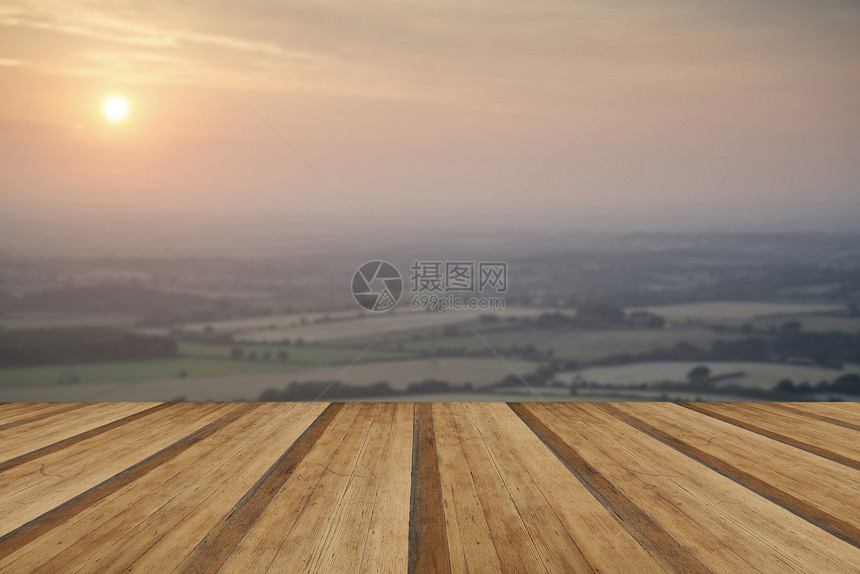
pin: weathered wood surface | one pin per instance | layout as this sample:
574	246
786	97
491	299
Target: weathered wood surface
441	487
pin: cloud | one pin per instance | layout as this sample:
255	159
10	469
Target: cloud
503	54
102	27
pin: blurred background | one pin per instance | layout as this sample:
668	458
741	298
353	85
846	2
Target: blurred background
188	189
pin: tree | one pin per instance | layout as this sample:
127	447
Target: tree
283	355
600	314
784	386
790	328
699	374
236	353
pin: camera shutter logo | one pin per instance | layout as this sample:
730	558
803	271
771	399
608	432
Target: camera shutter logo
377	286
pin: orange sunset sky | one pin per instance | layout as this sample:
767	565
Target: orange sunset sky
697	115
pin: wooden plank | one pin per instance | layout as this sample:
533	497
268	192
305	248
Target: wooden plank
63	465
26	533
830	441
564	519
558	549
844	412
220	542
726	526
659	544
30	489
305	541
113	534
819	491
837	438
35	435
428	540
87	435
41	424
344	541
87	535
803	410
602	539
470	542
231	487
515	547
387	544
642	487
13	411
39	412
258	547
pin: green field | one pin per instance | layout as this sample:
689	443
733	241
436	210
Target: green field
756	375
304	305
58	320
272	322
356	329
302	355
197	361
224	386
812	323
135	371
732	312
572	346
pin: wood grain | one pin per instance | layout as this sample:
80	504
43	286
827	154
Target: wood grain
50	411
65	443
650	535
755	476
727	526
837	444
211	552
442	487
428	540
51	519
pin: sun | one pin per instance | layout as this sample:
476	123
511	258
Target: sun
115	108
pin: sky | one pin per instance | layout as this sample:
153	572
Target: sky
467	117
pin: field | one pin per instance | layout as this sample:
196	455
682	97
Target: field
128	371
303	305
575	345
56	320
273	322
758	375
371	325
303	355
400	373
196	361
813	323
249	386
728	312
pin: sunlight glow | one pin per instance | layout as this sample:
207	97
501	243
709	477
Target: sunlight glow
115	108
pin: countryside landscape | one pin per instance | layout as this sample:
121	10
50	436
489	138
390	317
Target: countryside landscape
647	316
558	286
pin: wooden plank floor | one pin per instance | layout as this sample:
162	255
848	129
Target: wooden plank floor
429	487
